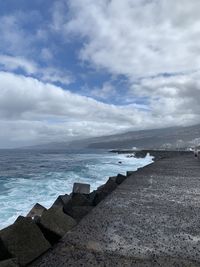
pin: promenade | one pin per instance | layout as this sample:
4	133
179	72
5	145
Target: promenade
151	219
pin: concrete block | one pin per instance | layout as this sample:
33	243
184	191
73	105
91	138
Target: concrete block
4	254
37	210
55	221
61	200
24	240
9	263
81	188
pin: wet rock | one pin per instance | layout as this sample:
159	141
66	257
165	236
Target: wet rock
9	263
24	240
81	188
4	254
55	223
61	201
37	210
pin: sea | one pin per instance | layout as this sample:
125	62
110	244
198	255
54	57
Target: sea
31	176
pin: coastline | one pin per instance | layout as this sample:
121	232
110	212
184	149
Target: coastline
66	210
29	177
81	219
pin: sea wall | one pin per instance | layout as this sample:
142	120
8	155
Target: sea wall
31	236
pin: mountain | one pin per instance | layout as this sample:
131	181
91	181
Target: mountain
168	138
173	137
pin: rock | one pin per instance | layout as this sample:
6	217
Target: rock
55	223
78	212
61	201
9	263
4	254
104	190
24	240
37	210
81	188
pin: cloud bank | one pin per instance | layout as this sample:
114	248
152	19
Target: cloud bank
153	45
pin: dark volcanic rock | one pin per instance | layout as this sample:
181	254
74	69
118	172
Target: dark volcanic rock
37	210
55	223
81	188
4	254
24	240
9	263
61	200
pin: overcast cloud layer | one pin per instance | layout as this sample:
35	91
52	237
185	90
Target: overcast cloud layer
131	64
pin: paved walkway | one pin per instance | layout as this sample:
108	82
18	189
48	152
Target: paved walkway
152	219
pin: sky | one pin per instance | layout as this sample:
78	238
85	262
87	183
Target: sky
72	69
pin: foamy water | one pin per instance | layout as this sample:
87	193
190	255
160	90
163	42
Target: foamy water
27	177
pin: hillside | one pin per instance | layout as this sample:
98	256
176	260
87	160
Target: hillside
174	137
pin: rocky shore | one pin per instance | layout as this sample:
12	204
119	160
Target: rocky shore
157	154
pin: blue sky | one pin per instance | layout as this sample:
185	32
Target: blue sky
75	69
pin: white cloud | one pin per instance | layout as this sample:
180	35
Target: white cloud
14	63
138	38
32	111
21	48
106	91
41	111
155	44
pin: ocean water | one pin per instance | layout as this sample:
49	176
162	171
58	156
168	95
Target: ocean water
27	177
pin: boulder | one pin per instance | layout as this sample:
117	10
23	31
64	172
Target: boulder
4	254
9	263
55	223
81	188
37	210
104	190
24	240
61	200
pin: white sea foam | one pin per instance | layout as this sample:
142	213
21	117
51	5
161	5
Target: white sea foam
22	193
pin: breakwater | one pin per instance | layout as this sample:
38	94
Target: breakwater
148	218
31	236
